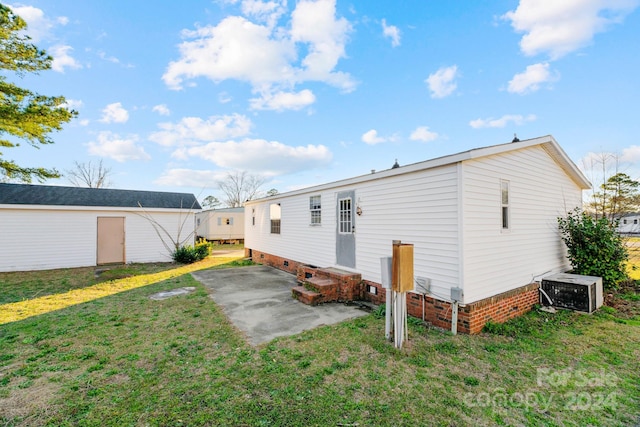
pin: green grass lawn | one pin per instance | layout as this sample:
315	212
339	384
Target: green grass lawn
125	360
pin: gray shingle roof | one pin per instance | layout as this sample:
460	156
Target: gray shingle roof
27	194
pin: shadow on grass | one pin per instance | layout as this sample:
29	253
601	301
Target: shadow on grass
16	311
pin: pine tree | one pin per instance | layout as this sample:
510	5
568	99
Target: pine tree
25	115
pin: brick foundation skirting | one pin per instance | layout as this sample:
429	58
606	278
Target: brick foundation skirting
471	317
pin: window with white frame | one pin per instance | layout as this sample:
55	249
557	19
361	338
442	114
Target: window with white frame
315	209
274	211
504	191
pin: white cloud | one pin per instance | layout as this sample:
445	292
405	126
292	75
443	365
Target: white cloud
191	178
84	122
62	58
503	121
121	149
213	52
269	158
161	109
531	79
422	133
314	23
114	113
371	137
265	11
224	97
392	32
442	82
103	55
283	101
38	25
73	104
194	131
269	59
631	154
561	27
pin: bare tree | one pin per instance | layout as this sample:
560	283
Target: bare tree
171	243
89	175
239	187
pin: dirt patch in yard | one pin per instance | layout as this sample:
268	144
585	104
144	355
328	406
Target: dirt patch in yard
626	300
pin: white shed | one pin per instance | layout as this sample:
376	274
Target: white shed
484	221
221	225
46	227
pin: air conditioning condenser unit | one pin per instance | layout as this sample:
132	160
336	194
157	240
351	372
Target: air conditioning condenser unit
572	291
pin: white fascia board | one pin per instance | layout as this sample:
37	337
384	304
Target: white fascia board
95	208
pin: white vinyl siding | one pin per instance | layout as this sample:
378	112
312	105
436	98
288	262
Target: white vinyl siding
62	237
539	192
418	208
298	241
451	210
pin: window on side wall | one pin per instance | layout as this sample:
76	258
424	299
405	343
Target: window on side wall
315	209
504	195
274	211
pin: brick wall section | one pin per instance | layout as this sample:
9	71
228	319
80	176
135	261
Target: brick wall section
380	297
471	317
280	263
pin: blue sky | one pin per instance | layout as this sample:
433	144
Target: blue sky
174	95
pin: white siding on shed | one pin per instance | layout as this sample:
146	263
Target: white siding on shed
496	260
45	237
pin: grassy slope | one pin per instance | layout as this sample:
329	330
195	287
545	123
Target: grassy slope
127	360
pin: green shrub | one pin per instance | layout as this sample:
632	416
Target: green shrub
595	248
188	254
203	249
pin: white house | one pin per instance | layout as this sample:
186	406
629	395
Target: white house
46	227
483	221
223	225
629	224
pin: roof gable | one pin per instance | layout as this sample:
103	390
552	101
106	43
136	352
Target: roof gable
27	194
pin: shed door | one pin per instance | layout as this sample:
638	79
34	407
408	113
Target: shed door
110	240
346	228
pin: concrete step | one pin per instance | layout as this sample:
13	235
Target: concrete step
306	296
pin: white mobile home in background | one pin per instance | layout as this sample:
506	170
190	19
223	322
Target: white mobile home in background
629	224
221	225
483	221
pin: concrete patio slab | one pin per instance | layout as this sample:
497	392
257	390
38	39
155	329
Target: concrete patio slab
257	299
